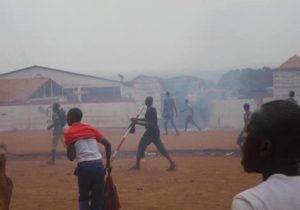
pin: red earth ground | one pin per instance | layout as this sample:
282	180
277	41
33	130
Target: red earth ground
208	172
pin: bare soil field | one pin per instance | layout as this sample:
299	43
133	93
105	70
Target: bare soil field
208	172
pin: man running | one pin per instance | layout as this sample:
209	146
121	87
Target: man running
189	116
151	135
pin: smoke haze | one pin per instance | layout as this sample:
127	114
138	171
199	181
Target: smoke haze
158	37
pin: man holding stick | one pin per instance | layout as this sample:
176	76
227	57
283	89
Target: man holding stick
151	135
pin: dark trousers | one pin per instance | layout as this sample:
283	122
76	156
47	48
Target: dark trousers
190	119
91	188
145	141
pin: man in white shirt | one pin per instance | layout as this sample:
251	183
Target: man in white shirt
272	148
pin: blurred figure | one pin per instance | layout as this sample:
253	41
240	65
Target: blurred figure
291	97
247	115
272	149
82	144
58	124
151	135
6	185
189	116
169	108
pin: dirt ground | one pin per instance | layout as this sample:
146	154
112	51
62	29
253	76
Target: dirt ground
208	174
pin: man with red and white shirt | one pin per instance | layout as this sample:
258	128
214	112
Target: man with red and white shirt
82	144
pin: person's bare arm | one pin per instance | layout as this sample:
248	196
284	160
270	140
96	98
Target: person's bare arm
107	147
71	152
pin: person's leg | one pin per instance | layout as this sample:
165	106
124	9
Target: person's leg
174	126
55	140
194	123
161	148
186	123
84	190
97	191
144	142
166	125
61	139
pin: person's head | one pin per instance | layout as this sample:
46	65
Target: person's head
186	101
168	94
292	94
273	137
149	101
55	107
246	107
74	115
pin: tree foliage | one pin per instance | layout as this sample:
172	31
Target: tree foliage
247	83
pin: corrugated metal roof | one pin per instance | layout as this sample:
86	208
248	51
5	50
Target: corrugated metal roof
58	70
291	63
12	90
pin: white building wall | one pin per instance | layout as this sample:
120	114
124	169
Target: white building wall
38	117
284	82
228	114
144	87
65	79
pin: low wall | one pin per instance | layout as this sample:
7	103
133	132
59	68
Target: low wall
38	117
228	114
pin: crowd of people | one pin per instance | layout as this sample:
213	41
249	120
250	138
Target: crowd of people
269	143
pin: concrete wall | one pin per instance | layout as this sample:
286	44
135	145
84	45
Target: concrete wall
228	114
144	87
284	82
38	117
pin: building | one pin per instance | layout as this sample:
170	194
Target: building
29	90
286	78
26	97
144	86
76	87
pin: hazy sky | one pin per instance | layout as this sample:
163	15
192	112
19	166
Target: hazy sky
153	37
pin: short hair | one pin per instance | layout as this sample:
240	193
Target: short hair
75	114
149	99
291	93
168	93
279	122
246	106
55	106
186	100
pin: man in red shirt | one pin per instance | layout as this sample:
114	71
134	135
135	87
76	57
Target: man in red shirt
81	140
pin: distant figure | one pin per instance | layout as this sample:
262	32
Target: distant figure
272	149
58	123
82	144
189	116
291	97
168	113
6	185
151	135
247	115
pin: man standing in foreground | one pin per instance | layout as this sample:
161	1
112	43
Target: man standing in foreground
151	135
272	148
81	140
169	108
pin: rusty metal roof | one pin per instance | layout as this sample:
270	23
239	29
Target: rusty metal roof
291	63
14	90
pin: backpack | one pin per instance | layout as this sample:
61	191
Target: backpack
62	117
